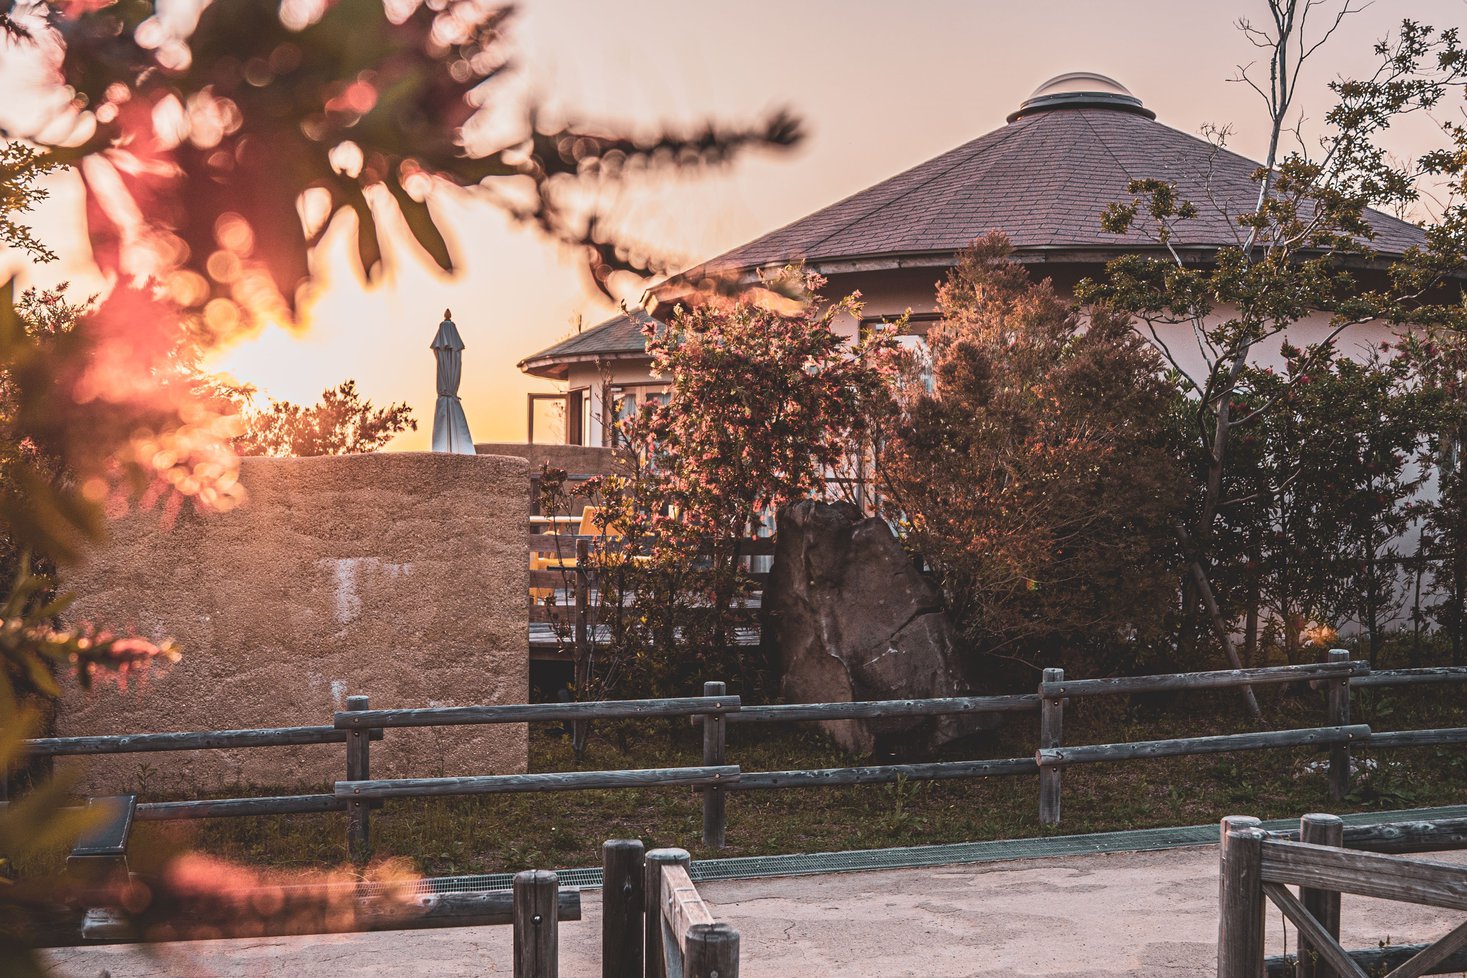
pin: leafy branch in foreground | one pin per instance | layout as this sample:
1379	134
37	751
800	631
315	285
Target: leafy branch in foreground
207	141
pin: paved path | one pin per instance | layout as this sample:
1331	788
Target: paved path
1149	914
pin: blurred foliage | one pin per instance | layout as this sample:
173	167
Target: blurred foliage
341	423
208	142
217	144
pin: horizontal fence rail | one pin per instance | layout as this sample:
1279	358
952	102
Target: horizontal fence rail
1397	837
494	784
869	709
163	811
1220	679
1412	677
443	716
1189	746
199	740
1366	874
883	774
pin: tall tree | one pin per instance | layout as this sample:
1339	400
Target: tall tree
1304	246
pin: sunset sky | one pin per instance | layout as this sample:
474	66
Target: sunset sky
880	86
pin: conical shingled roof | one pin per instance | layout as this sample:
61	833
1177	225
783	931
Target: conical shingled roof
1044	180
1067	153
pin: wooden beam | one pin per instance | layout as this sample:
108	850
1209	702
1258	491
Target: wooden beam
1413	677
559	781
1204	680
189	740
682	907
165	811
871	709
443	716
1187	746
1429	883
882	774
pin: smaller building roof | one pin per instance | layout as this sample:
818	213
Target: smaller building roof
617	338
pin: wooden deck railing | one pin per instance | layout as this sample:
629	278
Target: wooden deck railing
568	610
358	793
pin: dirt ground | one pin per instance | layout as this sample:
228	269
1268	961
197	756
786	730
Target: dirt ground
1148	915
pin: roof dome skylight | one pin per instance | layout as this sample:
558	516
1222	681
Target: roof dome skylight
1081	90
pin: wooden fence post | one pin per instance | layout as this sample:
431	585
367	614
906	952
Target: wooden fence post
1240	899
622	906
358	768
715	799
1320	830
713	952
536	924
1337	701
1051	734
656	964
581	654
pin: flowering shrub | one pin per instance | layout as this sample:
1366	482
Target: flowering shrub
765	397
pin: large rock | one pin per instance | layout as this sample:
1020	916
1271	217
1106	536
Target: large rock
852	619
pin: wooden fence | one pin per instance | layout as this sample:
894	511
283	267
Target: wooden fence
1325	859
359	726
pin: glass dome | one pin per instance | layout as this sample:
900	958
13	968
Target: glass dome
1081	90
1080	81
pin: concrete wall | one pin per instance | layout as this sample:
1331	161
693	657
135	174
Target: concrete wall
401	576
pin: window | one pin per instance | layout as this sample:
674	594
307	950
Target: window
912	338
628	399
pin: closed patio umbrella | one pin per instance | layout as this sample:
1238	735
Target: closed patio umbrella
450	427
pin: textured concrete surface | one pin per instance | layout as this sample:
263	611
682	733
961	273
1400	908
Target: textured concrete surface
401	576
1145	915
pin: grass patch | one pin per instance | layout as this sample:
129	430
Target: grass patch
511	832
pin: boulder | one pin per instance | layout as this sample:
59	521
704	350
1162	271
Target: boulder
851	618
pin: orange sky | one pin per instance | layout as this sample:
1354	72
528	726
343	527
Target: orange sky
880	85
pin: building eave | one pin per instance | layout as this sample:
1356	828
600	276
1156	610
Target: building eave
558	367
